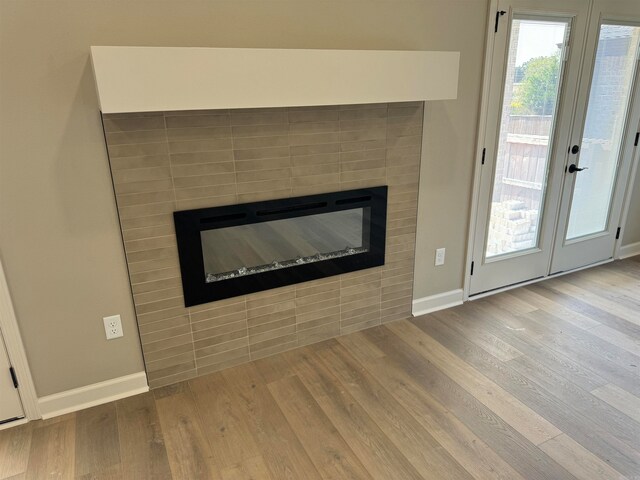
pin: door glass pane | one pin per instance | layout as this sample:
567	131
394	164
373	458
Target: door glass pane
532	86
609	99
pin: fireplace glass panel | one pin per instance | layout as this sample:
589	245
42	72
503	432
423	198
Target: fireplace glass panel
273	245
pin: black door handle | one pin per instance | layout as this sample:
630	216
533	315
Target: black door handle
575	149
573	168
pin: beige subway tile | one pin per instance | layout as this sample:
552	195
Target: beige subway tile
270	317
316	314
347	329
273	335
204	180
408	238
315	189
266	118
223	358
374	165
314	139
165	184
262	164
209	169
220	120
141	174
322	127
354	287
406	121
403	180
224	365
152	276
406	302
272	342
137	137
195	158
270	308
194	146
223	347
408	132
170	361
172	379
272	326
145	198
333	318
305	289
258	175
359	114
318	334
149	244
244	143
154	285
209	325
165	334
363	106
267	352
148	232
159	305
363	155
374	309
316	149
166	353
150	161
404	311
213	306
227	336
360	277
152	254
362	175
315	170
400	248
315	160
398	171
363	135
302	301
414	111
331	301
137	150
133	124
197	133
363	124
270	297
160	345
162	315
396	291
217	312
167	323
372	295
363	145
143	211
372	302
206	202
263	152
396	196
312	180
168	371
398	279
189	193
266	195
410	150
264	186
373	316
217	330
259	130
157	295
298	116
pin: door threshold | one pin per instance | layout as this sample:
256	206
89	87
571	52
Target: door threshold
488	293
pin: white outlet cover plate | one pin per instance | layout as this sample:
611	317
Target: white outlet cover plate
113	327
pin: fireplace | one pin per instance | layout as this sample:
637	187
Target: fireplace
235	250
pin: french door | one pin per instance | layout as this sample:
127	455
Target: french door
558	142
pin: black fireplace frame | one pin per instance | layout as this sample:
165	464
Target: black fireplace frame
189	224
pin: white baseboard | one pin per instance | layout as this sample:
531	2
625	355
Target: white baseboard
433	303
630	250
92	395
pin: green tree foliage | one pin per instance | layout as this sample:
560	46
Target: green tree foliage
536	94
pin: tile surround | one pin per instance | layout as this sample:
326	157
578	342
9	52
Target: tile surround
162	162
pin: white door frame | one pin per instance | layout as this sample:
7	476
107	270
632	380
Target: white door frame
475	197
17	355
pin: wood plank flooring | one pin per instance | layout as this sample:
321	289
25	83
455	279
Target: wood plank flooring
542	382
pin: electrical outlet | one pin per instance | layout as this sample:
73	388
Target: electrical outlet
113	326
440	256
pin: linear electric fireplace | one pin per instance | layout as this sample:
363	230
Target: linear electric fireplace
239	249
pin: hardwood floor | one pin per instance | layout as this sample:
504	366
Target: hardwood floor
542	382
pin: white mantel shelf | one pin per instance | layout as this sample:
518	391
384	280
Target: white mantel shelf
151	79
